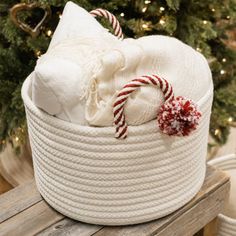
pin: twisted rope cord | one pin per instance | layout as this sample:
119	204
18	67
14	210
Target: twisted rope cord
58	176
112	19
118	106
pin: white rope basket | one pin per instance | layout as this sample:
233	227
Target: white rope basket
88	175
227	225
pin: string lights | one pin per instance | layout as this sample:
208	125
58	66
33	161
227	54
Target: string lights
217	132
224	60
230	119
49	33
144	9
38	53
145	26
2	141
222	72
147	1
162	9
162	21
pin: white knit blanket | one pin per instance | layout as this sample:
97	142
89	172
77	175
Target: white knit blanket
85	67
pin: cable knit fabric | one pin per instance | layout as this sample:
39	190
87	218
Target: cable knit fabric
85	67
81	169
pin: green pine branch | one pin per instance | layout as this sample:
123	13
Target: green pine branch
201	24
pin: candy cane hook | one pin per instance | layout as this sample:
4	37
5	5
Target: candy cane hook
112	19
177	116
118	107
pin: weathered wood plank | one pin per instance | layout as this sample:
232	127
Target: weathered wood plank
214	180
18	199
199	215
70	227
30	221
40	219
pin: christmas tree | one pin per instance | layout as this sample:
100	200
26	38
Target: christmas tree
26	31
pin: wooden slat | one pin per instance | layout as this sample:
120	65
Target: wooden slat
30	221
18	199
24	212
40	219
214	180
70	227
199	215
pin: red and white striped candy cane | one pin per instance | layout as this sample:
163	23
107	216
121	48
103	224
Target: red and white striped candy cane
118	106
112	19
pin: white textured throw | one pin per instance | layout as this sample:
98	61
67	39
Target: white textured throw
85	66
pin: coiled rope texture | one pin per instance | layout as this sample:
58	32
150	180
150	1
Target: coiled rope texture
226	225
88	175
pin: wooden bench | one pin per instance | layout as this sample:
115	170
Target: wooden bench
24	212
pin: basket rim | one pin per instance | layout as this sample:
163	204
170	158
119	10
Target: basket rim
226	162
25	90
227	219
